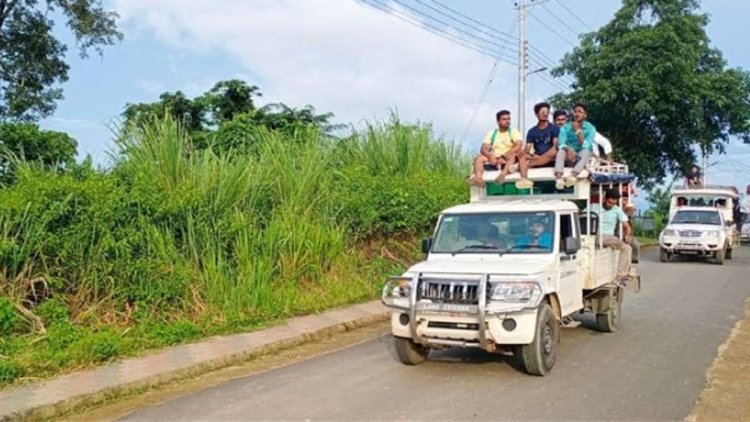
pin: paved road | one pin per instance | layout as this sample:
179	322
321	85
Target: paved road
653	368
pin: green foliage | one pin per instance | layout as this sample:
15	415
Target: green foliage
226	117
9	371
53	312
656	88
8	317
32	59
176	242
52	150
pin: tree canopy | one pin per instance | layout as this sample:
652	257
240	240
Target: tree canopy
656	87
226	114
32	59
54	150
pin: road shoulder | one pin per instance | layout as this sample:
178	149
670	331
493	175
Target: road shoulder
728	381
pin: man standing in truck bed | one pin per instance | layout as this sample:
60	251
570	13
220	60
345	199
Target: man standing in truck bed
610	216
499	149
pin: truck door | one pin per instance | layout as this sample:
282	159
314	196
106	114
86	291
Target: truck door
571	277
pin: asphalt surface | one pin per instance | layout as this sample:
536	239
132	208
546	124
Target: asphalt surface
653	368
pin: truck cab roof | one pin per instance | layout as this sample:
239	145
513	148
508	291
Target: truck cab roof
513	205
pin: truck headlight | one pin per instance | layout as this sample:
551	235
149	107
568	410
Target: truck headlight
714	234
669	233
516	292
396	293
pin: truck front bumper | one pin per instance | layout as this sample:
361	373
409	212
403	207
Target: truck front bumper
691	246
483	324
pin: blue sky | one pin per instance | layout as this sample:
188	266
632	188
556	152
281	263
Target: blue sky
341	56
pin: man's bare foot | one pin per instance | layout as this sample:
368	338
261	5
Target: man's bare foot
476	181
500	178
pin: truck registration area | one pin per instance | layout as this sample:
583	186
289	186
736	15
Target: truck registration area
504	272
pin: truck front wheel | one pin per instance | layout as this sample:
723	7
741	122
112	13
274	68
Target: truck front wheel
720	255
664	255
538	358
409	352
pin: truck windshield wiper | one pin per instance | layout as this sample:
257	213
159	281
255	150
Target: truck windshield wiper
481	247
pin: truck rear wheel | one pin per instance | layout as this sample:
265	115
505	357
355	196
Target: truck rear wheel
409	352
729	254
609	321
664	256
720	255
538	358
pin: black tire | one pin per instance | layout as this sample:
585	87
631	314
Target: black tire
720	255
539	357
409	352
609	322
729	254
664	256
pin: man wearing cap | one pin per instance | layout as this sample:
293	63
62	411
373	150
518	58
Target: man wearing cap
634	245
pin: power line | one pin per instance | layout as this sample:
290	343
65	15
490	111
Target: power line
485	91
562	22
436	31
552	30
470	19
429	16
575	16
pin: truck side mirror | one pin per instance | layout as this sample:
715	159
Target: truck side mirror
426	244
570	245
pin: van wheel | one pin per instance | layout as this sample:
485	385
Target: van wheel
720	255
664	256
409	352
609	322
538	358
729	254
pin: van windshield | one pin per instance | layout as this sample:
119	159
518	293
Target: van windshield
499	232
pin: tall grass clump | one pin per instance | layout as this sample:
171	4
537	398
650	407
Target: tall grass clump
177	240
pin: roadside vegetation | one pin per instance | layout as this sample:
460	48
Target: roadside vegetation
177	241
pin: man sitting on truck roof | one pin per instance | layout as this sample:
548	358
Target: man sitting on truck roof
693	178
499	149
603	144
610	215
543	139
576	145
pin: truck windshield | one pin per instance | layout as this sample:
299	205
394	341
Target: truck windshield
696	217
514	232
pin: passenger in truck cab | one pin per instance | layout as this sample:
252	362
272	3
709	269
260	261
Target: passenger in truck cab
540	148
576	146
499	150
538	237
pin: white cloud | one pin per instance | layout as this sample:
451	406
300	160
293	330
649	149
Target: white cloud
340	56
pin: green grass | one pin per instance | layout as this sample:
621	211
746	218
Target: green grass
174	242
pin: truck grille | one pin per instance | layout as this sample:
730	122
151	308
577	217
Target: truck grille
448	291
689	233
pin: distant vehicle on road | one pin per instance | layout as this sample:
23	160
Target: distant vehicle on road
697	231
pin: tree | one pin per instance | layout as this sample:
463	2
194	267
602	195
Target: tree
32	60
656	88
53	150
226	116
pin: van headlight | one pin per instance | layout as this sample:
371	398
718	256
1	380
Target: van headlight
713	234
669	233
516	292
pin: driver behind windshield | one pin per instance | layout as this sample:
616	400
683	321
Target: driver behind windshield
538	237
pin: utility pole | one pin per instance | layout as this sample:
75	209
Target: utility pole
705	167
521	6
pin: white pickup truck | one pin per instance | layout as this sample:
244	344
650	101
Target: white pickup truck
505	271
685	241
697	231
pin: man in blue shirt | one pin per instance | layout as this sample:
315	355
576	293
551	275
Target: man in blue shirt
538	237
610	216
541	146
576	145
